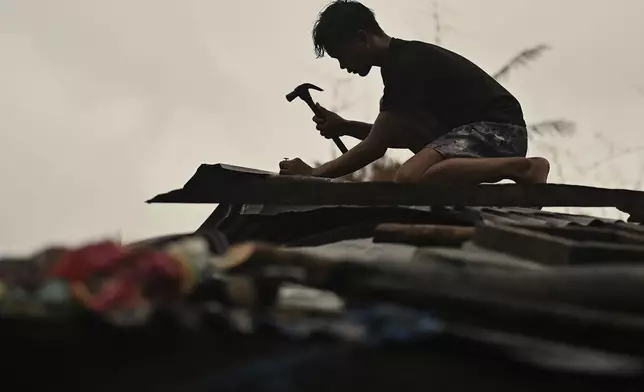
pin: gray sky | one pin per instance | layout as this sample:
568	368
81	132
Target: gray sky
105	104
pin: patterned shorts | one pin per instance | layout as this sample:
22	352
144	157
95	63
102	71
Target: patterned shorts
483	140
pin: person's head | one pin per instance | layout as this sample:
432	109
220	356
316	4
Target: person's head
348	31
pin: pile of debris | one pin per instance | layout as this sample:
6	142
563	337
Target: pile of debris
371	265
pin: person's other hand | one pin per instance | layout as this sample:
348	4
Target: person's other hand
332	125
295	167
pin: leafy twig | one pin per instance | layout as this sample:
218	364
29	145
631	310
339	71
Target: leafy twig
522	58
613	155
561	127
572	162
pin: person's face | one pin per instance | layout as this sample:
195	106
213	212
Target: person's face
354	54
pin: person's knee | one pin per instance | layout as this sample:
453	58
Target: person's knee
407	174
414	169
411	173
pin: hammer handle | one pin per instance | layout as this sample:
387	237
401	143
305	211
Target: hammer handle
319	113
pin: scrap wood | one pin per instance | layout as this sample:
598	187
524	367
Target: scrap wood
492	300
559	246
423	235
609	287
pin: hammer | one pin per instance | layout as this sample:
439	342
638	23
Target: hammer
302	91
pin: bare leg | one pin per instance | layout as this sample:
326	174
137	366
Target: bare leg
472	170
490	170
416	166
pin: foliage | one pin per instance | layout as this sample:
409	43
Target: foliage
560	127
523	58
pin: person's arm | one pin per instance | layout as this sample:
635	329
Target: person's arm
360	130
373	147
331	124
357	129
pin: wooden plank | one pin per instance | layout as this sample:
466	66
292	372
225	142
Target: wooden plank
551	249
285	191
524	243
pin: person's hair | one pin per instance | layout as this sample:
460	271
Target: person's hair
340	20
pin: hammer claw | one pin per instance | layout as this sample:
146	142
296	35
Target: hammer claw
302	91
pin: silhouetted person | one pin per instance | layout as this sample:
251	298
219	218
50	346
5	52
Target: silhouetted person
462	125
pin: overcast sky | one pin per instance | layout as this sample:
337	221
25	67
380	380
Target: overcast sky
104	104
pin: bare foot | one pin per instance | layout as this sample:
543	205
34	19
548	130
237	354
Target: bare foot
536	173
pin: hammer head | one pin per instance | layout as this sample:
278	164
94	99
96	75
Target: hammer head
302	91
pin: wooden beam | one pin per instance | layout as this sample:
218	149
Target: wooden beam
285	191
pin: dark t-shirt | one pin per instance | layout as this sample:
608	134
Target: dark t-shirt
434	84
